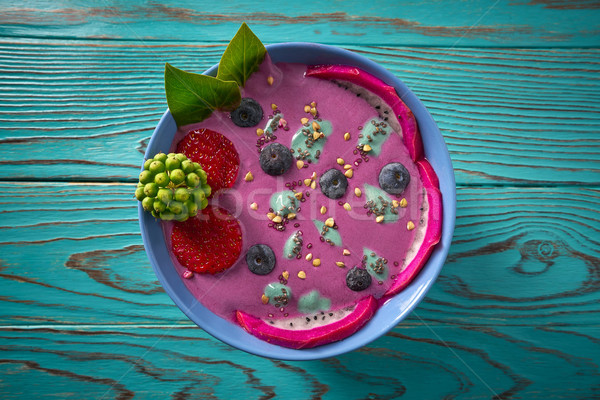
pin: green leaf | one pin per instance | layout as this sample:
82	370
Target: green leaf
193	97
242	57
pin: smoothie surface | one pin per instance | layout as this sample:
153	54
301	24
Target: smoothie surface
311	262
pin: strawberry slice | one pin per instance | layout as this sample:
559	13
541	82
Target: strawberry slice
215	153
209	243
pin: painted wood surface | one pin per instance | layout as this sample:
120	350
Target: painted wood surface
510	116
555	23
514	87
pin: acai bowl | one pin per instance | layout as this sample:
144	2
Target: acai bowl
388	307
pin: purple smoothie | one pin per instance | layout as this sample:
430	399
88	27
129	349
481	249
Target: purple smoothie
239	289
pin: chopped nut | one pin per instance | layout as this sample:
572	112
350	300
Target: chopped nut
314	175
301	274
349	173
270	80
306	108
313	104
299	164
313	185
347	136
285	275
264	299
273	106
346	252
367	148
249	177
259	132
308	257
323	210
395	203
347	166
329	222
410	225
347	207
307	181
277	219
357	192
340	161
313	111
316	126
254	206
291	216
379	218
316	135
316	262
340	264
403	203
271	216
304	121
298	195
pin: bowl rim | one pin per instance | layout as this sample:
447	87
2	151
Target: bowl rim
399	306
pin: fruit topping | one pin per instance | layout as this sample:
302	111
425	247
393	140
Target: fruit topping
313	302
328	232
393	178
278	294
310	140
248	114
260	259
293	246
215	153
406	119
170	193
431	215
209	243
358	279
275	159
333	183
313	329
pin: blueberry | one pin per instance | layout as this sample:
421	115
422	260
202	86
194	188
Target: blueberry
394	178
333	183
248	114
275	159
260	259
358	279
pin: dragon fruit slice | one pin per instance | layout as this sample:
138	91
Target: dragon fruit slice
432	211
432	216
310	330
408	123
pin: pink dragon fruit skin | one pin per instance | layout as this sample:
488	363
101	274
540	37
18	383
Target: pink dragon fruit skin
433	232
308	338
408	123
366	307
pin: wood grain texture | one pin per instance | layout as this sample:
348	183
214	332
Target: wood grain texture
513	117
411	362
473	23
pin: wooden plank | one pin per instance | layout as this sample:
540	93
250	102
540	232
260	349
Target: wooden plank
428	23
520	256
85	261
509	116
413	362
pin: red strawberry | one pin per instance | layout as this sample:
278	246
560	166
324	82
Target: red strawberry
215	153
209	243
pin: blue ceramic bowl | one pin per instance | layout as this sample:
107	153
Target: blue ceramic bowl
391	313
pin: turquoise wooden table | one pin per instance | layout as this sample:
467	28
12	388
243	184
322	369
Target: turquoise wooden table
515	89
